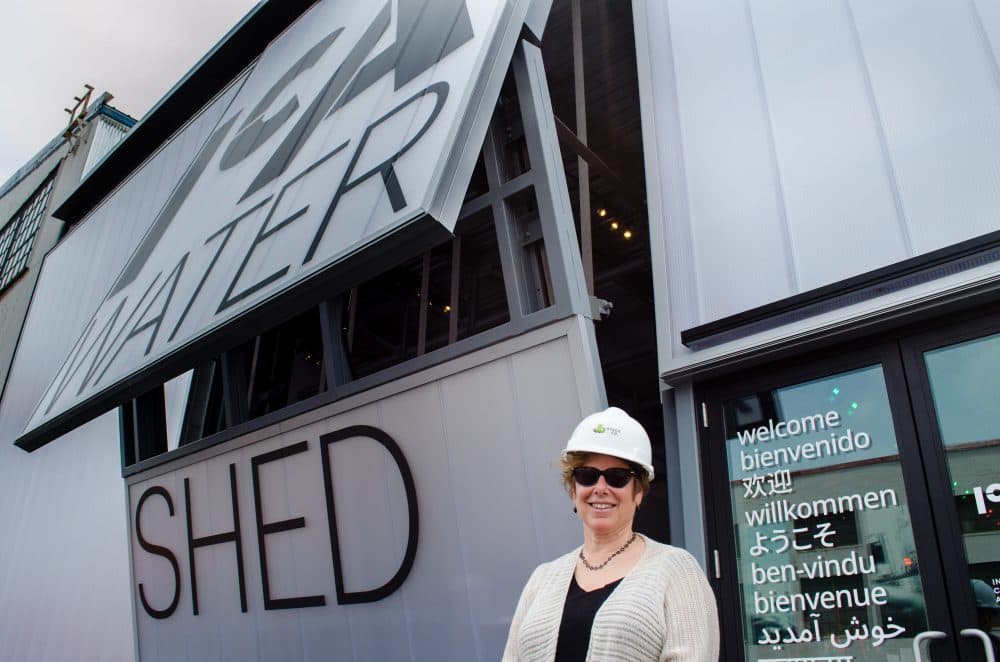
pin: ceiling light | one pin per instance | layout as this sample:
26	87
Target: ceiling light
627	234
602	212
614	225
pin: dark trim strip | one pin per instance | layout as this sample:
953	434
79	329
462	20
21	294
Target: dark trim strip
965	303
856	284
244	43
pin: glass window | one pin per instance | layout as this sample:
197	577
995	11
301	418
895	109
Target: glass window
965	381
482	298
451	292
385	321
285	365
513	148
824	540
18	235
384	314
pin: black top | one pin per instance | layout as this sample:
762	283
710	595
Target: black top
578	619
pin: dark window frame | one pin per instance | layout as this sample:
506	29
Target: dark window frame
17	236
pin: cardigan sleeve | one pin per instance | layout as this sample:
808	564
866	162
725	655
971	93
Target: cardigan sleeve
689	612
527	596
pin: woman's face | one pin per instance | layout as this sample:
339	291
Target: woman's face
602	508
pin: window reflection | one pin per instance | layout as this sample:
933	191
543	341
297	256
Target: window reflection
964	381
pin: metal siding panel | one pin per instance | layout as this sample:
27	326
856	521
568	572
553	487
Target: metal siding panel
548	411
63	567
479	440
480	437
930	74
372	522
837	185
438	102
734	204
988	12
935	82
676	296
436	595
105	137
69	289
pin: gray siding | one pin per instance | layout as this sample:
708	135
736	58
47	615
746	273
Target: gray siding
792	145
69	292
480	433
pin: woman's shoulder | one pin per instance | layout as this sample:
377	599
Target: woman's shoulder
671	558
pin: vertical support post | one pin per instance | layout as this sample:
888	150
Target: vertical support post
143	426
336	365
456	270
562	252
583	168
352	316
508	242
425	288
234	387
197	404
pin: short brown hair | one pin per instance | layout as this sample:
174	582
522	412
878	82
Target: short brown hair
576	459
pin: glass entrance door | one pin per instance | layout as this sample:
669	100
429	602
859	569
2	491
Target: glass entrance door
956	395
827	522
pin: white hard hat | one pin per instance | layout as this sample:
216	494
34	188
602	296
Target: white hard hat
612	432
986	598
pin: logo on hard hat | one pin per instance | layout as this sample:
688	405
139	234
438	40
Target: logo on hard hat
600	429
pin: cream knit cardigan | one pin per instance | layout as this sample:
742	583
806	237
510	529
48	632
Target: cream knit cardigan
664	609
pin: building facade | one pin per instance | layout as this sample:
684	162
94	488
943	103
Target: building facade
330	312
32	193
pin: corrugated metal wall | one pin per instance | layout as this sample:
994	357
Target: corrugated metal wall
105	136
800	143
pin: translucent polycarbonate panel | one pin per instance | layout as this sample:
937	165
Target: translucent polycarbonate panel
482	475
81	268
175	396
64	558
351	126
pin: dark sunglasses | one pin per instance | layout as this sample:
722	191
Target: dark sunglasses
614	477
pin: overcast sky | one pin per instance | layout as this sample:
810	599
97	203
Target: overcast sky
135	49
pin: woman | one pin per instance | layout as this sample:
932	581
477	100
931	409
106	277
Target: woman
620	596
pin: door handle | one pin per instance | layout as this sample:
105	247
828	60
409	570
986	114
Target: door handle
985	638
925	637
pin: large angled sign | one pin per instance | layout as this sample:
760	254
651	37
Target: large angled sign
362	119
